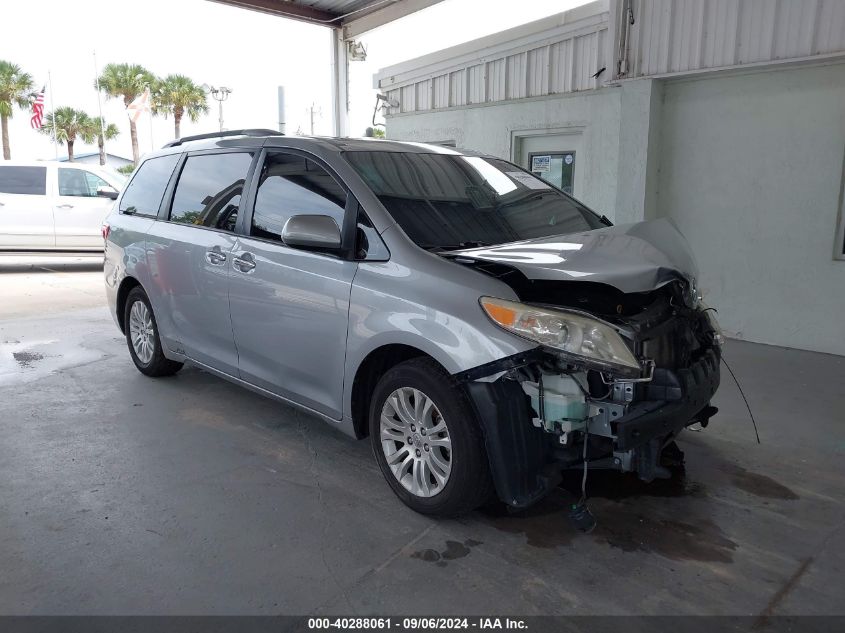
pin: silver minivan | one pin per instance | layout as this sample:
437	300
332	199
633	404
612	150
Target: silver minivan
485	330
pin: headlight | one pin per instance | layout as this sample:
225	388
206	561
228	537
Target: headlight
580	336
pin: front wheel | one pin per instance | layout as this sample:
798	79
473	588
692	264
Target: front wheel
427	441
142	337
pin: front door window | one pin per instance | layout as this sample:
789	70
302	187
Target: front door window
557	169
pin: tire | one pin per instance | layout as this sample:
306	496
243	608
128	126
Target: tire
157	364
468	484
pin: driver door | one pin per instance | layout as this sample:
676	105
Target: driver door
290	306
79	210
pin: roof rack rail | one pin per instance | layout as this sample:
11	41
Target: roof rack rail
247	132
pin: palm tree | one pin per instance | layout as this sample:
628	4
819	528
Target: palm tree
179	95
111	131
15	89
127	81
69	123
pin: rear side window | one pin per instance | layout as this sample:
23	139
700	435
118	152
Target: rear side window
209	190
80	183
30	181
292	185
144	193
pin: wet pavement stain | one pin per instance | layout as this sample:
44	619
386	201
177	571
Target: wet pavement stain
760	485
625	520
545	525
454	550
26	359
630	530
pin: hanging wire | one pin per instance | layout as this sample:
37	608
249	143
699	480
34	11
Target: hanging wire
742	393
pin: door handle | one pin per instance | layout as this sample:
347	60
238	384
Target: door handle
215	257
244	263
65	206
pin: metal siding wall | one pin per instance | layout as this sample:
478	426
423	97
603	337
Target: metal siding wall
538	72
795	29
563	60
831	34
685	48
496	72
561	70
477	84
458	88
669	36
423	96
672	36
516	76
407	98
441	91
585	62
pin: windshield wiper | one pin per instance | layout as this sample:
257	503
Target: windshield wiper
454	247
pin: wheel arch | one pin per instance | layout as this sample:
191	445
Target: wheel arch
378	362
123	291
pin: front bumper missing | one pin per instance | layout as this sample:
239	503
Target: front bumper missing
526	461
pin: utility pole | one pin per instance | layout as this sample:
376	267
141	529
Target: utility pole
282	109
219	95
312	110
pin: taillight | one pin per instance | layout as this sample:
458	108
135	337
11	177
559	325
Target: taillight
105	230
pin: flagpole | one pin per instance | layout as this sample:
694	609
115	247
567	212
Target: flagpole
150	113
99	102
53	108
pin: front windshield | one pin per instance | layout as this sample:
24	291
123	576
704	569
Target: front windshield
449	201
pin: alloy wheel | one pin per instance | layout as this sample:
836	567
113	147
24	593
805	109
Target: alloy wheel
141	331
415	441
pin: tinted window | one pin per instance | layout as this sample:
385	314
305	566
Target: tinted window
79	183
453	201
291	185
143	194
24	180
209	190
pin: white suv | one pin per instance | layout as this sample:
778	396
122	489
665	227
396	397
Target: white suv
54	206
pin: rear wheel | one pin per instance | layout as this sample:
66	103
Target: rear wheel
142	337
427	441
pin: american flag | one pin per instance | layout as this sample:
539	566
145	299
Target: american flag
38	110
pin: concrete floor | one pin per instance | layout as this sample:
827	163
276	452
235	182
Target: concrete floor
120	494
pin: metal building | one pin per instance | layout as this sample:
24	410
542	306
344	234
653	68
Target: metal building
727	116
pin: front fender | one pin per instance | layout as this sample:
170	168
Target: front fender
441	317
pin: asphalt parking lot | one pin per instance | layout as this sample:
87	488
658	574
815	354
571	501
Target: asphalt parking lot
187	495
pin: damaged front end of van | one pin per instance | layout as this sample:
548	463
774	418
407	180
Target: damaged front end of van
627	356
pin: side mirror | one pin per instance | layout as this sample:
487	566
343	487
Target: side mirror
311	231
107	192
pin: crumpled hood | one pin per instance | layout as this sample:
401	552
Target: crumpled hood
630	257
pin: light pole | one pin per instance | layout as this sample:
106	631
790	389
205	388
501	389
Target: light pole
219	95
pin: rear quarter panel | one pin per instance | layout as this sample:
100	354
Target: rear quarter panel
125	254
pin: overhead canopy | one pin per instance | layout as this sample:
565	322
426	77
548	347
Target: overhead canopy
353	16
